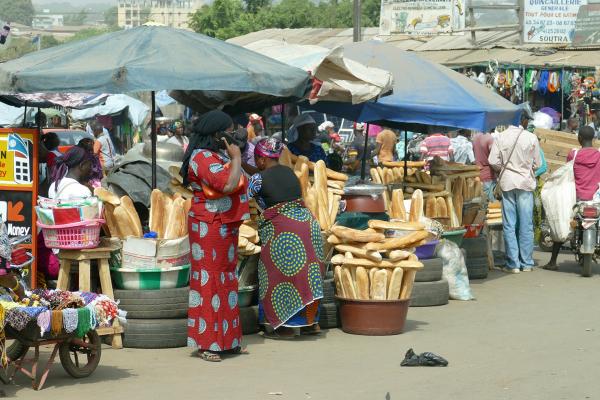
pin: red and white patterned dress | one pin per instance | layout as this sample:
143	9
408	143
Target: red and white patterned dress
213	314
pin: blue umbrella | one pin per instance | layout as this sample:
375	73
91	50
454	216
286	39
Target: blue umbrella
424	93
153	58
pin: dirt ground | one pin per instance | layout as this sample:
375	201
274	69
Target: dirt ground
528	336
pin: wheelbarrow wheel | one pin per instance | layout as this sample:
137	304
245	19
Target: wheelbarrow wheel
80	357
16	350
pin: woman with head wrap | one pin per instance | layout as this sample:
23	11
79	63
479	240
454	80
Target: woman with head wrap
96	175
178	138
213	168
71	175
291	260
301	136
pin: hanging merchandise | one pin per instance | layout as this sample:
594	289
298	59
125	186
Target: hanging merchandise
543	82
553	82
535	80
565	81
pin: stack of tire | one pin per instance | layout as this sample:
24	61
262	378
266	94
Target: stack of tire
476	259
430	288
156	319
328	317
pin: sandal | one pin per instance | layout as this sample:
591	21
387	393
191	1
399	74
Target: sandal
209	356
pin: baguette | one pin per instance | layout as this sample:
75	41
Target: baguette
399	255
441	209
395	284
127	204
332	239
375	176
124	222
430	210
111	223
495	205
398	204
399	243
348	285
358	252
372	272
362	283
395	225
400	164
381	174
312	202
356	235
249	233
107	197
303	178
335	208
242	242
286	158
408	281
157	211
339	288
416	206
176	220
320	177
336	184
380	284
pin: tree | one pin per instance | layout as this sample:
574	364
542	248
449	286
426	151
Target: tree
20	11
222	19
254	6
111	16
371	9
76	19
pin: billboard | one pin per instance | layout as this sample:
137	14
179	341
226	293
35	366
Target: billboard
425	17
587	26
550	21
16	160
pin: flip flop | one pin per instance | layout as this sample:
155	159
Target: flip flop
209	356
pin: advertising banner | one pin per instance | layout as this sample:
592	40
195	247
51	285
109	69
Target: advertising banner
428	17
587	26
550	21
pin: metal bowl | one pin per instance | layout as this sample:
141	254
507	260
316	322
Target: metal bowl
246	295
164	151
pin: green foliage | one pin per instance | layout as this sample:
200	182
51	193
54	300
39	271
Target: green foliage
88	33
76	19
110	16
20	11
49	41
225	19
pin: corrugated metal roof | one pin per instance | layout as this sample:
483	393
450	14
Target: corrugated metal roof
451	50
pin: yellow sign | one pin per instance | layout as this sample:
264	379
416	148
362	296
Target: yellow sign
16	159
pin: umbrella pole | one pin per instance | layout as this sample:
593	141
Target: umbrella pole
363	166
153	138
283	135
25	115
405	153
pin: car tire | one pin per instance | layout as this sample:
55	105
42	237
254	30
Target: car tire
475	247
432	270
328	316
328	291
427	294
155	333
154	304
478	268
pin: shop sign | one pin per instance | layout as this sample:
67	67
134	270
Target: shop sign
16	160
587	26
428	17
550	21
16	210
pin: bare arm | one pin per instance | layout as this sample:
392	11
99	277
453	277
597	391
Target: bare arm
235	170
494	158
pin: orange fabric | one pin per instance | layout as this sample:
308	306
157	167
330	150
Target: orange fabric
387	140
251	133
98	152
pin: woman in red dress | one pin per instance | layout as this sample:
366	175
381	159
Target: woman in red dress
213	169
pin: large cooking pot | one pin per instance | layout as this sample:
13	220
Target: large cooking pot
367	198
164	151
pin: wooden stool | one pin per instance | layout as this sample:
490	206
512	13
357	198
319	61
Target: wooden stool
83	258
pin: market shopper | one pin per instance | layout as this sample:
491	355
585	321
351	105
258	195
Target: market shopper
70	178
463	148
291	260
572	125
436	145
515	155
301	136
213	167
586	168
103	146
51	143
96	175
482	146
386	145
178	138
255	126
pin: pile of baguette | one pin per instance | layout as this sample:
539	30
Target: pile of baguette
322	188
168	215
464	190
494	213
248	240
370	266
393	172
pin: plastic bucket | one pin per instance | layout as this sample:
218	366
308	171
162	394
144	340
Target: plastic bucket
373	317
426	251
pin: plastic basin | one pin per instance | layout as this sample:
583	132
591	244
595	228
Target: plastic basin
373	317
151	279
456	236
426	251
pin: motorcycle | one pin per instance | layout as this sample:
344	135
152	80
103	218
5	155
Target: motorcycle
585	241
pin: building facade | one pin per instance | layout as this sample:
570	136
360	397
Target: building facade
173	13
47	21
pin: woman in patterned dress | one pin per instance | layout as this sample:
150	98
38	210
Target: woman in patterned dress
291	261
219	206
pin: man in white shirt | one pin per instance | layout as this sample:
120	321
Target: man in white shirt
463	148
518	184
103	146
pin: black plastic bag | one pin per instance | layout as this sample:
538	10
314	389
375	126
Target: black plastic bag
411	359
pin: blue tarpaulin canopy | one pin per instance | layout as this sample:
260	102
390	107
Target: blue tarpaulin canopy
424	93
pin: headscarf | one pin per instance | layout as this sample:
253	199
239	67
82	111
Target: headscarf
269	148
301	120
203	136
326	125
71	159
96	165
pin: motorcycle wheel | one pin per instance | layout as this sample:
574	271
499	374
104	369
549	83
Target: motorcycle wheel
587	265
546	242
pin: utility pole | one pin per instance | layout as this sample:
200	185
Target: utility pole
357	37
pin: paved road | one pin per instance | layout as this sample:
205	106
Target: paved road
528	336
